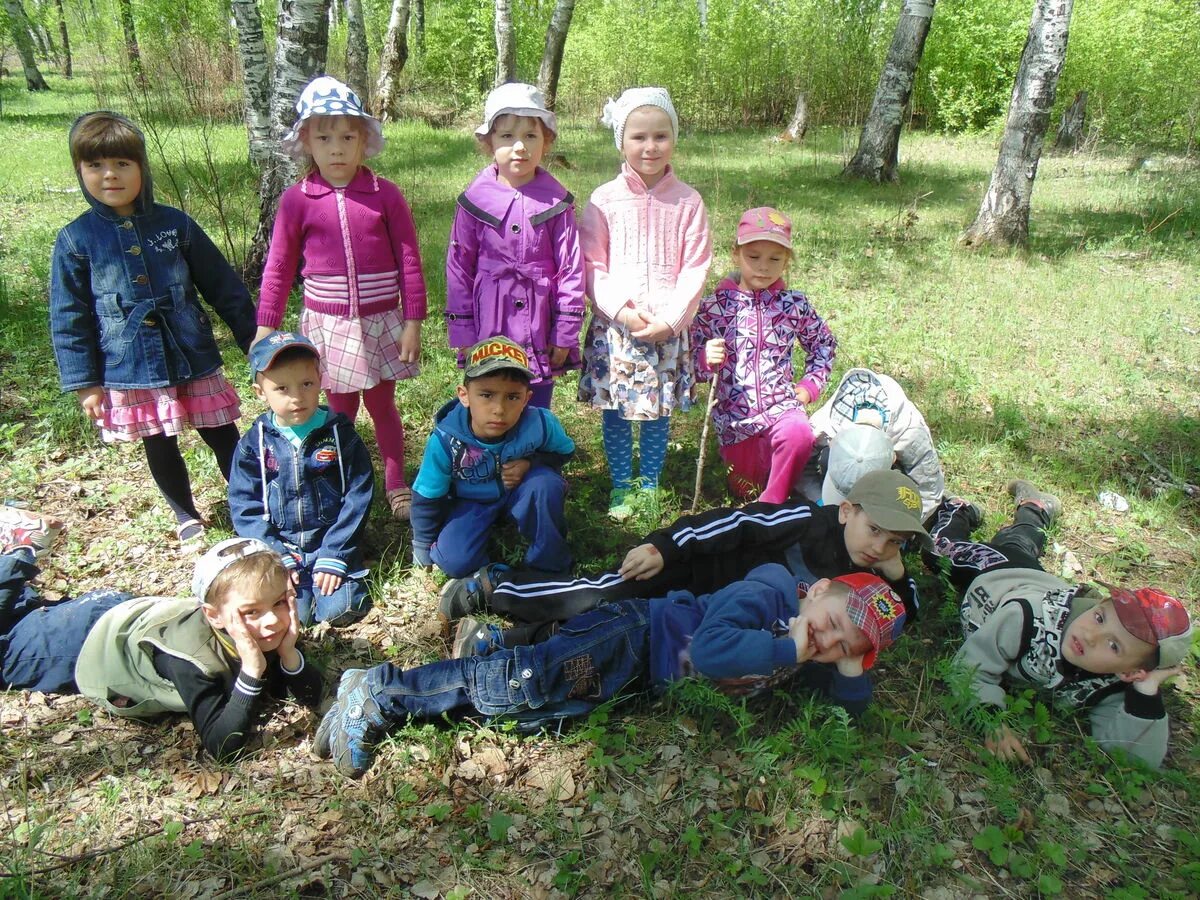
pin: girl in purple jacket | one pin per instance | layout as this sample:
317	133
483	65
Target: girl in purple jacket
514	267
746	332
351	235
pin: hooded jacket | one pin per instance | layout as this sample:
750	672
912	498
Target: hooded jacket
308	500
124	311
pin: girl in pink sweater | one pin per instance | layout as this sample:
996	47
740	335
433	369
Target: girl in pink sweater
351	236
647	251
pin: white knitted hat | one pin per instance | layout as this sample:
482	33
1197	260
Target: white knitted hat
617	111
326	96
516	99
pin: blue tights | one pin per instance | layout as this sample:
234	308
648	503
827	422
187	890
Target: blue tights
618	449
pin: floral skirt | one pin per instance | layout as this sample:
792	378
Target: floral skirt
357	354
135	413
641	381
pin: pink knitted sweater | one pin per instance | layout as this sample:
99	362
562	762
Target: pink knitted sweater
365	228
650	248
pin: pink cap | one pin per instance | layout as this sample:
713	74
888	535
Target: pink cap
765	223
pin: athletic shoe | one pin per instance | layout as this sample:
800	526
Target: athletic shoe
1026	492
349	731
620	505
462	596
475	638
21	528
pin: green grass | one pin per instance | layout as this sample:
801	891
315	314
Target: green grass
1073	364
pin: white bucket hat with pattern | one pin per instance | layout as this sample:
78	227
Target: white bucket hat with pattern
326	96
617	111
517	99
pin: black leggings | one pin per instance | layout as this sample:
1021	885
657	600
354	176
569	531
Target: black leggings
1019	545
171	475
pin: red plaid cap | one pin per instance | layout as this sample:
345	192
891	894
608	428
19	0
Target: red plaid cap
876	609
1156	618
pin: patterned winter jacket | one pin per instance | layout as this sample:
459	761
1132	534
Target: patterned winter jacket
755	384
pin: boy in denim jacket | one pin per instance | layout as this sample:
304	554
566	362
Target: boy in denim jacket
302	482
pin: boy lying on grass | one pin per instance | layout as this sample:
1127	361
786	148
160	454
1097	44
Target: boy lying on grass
746	637
1107	652
214	657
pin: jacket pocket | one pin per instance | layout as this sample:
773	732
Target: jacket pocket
329	501
189	322
112	322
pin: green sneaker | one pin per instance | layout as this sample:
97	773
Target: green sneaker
619	506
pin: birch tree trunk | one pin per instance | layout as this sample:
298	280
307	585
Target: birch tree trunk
356	50
1070	129
18	26
877	158
65	39
506	44
256	77
419	25
798	127
392	58
131	42
301	46
1003	218
552	56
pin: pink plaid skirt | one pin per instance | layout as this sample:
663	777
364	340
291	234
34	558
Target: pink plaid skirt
357	354
133	414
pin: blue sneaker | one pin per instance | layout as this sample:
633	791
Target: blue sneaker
349	731
461	597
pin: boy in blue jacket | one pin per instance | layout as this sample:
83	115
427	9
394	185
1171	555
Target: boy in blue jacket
747	637
302	482
492	455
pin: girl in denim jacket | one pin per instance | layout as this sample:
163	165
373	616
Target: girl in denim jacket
745	333
351	235
130	337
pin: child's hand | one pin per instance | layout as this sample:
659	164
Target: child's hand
890	569
850	666
798	632
288	655
631	318
92	401
803	395
513	472
641	563
410	341
1006	745
714	352
1152	683
254	663
655	330
261	333
327	582
558	356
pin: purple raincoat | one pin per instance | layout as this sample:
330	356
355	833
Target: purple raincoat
514	268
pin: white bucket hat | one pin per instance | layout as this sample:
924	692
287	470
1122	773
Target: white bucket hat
617	111
854	451
518	99
326	96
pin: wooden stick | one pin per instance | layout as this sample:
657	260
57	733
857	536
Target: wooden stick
712	399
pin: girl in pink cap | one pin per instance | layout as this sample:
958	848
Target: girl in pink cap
745	334
351	235
647	246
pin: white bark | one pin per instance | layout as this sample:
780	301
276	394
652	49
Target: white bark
1003	217
392	58
877	158
18	25
356	50
256	77
798	127
552	56
506	44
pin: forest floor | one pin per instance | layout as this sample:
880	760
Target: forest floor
1074	364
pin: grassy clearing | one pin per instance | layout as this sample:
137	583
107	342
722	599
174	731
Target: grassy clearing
1074	364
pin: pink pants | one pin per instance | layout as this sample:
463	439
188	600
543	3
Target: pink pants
772	461
389	431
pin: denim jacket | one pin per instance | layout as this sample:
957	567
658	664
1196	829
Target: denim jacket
308	500
123	306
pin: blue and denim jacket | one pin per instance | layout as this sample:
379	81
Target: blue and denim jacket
458	466
123	306
302	501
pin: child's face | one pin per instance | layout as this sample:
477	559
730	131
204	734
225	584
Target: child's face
762	263
831	633
518	143
291	389
266	614
648	142
114	181
1097	642
337	145
867	543
495	402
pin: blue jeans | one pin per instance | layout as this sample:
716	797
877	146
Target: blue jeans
536	505
591	658
40	644
349	603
